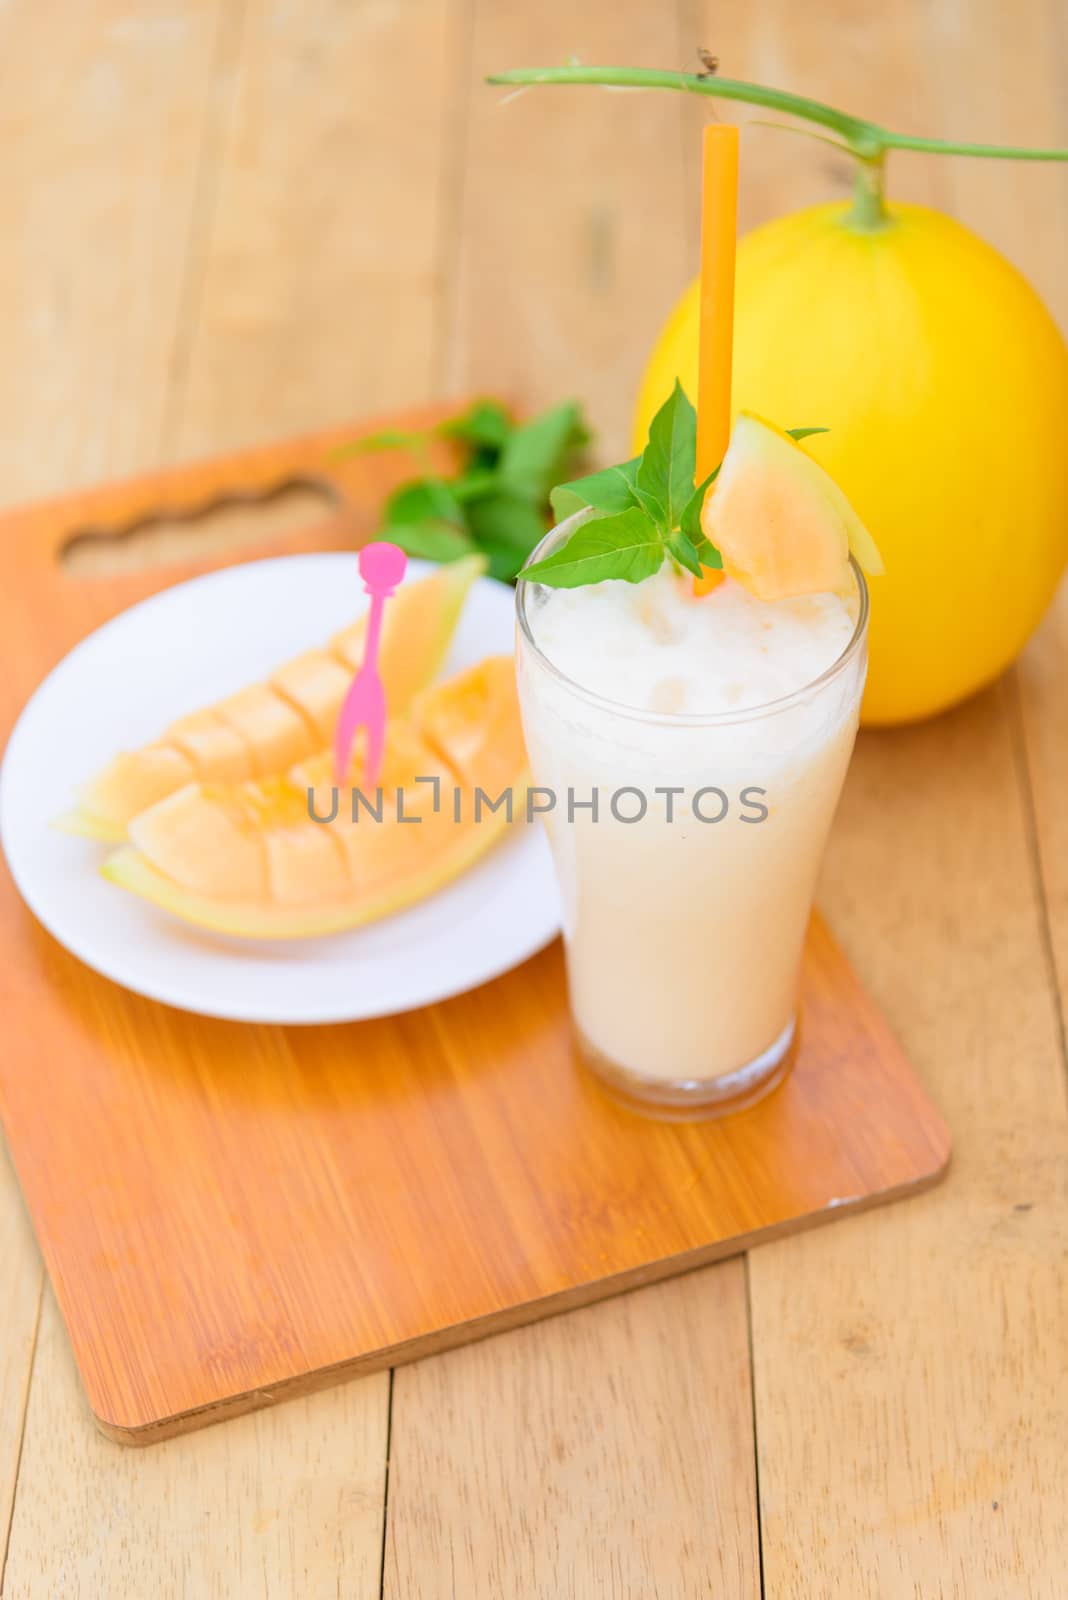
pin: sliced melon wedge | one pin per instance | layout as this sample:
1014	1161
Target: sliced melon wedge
251	858
134	780
780	522
270	726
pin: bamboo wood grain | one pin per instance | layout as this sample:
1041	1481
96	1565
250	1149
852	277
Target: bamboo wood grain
910	1398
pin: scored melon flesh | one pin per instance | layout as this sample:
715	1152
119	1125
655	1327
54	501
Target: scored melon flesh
314	684
217	751
406	758
273	733
383	857
304	864
268	727
473	723
208	837
377	853
780	522
251	859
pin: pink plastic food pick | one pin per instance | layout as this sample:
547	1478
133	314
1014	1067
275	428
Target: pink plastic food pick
382	567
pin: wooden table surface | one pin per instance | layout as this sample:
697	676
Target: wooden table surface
230	219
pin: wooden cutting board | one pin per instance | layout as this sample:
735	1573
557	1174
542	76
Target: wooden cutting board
233	1214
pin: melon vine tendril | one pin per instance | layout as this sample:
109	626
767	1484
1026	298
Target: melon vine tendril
867	141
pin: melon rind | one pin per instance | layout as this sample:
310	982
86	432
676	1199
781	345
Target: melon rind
83	825
254	920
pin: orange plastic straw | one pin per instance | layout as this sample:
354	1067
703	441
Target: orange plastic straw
719	228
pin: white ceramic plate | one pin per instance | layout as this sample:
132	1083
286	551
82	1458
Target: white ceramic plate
183	649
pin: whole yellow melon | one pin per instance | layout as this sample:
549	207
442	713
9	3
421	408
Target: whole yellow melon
944	383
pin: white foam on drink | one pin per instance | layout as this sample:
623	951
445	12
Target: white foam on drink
652	646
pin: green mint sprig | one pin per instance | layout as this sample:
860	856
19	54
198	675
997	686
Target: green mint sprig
498	501
641	513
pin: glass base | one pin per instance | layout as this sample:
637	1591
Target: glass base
687	1099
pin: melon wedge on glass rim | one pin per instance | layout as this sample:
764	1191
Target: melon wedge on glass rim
780	522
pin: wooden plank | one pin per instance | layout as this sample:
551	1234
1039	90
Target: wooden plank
286	1502
101	122
1041	249
97	103
908	1368
1041	678
573	240
575	232
319	294
254	299
21	1286
606	1454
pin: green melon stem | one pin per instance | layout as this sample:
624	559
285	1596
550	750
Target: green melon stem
867	141
868	212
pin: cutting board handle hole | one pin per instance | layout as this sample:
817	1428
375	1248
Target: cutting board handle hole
218	527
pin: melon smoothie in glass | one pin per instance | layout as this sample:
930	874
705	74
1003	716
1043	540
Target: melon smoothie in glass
714	732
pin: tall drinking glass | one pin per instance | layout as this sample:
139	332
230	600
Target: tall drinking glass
687	848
